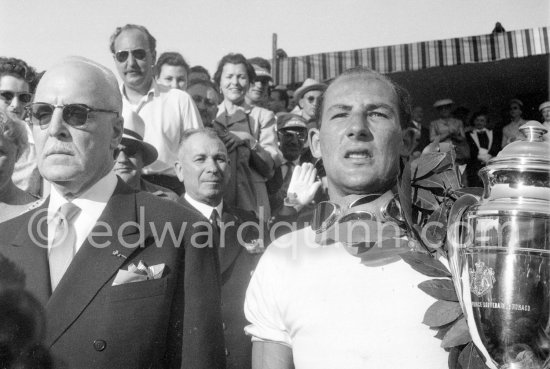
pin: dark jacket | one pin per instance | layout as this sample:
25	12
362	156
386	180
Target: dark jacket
236	267
171	322
474	164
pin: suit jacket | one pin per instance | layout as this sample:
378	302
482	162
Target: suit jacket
236	267
171	322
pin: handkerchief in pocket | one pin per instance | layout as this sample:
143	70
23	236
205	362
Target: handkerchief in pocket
138	273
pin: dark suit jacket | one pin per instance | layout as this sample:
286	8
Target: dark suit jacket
236	267
173	322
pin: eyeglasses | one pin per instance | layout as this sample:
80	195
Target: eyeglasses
198	99
289	135
128	150
312	99
24	97
75	115
122	55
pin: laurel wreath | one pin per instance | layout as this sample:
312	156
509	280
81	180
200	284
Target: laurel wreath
428	187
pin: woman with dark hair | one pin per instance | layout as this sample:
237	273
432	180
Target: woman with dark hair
484	144
17	82
242	125
13	142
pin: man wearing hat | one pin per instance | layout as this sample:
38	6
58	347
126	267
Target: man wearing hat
132	154
258	93
292	132
308	96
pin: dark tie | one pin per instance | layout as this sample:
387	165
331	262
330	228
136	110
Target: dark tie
483	139
214	220
63	245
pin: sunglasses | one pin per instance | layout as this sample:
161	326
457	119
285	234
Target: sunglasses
122	55
75	115
24	97
312	99
128	150
290	135
198	99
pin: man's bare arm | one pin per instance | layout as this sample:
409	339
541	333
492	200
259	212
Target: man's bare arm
271	355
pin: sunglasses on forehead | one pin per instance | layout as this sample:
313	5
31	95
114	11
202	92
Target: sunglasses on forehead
122	55
7	96
75	115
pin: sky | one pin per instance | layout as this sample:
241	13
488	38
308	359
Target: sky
43	31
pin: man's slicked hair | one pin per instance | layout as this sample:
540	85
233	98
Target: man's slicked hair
172	58
188	133
403	97
150	39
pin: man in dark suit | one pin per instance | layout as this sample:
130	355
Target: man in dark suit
204	168
122	283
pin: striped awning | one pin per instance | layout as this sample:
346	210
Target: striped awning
416	56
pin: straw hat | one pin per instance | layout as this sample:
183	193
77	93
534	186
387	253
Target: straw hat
132	135
309	85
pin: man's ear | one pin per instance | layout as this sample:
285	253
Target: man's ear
314	142
179	170
118	128
410	138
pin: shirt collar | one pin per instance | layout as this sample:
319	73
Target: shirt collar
97	195
153	91
203	208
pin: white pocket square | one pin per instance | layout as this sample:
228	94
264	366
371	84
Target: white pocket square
138	273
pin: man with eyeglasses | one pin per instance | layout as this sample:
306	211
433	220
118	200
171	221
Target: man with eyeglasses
258	92
312	303
117	293
292	134
132	154
207	98
167	113
307	98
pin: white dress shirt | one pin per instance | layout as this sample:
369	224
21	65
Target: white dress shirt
92	203
167	113
204	209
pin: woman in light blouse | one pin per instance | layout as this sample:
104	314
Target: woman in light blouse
241	125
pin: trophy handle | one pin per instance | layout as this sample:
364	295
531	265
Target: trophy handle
454	243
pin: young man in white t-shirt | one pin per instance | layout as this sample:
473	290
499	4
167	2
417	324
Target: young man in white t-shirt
318	306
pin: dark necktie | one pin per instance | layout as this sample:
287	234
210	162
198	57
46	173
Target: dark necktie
483	139
214	220
63	247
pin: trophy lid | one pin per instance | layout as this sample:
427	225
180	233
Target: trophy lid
532	146
522	168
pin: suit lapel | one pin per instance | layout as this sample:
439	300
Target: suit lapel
30	250
96	262
230	248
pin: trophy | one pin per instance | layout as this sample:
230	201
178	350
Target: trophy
499	255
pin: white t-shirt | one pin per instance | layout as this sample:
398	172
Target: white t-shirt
335	312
